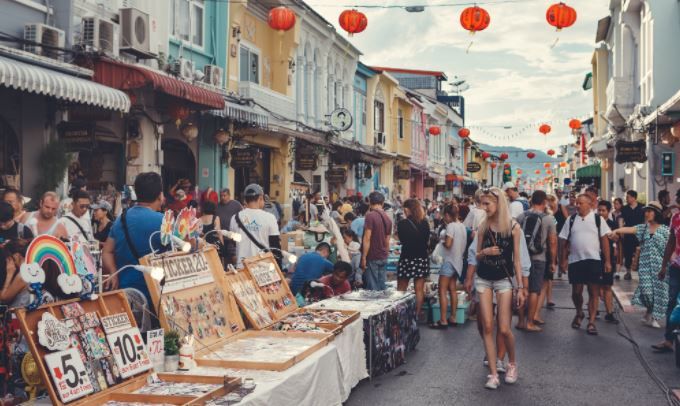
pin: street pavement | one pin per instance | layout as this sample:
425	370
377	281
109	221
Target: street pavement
560	366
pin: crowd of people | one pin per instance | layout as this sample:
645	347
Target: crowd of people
502	246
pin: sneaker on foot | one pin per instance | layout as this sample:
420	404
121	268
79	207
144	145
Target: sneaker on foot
512	374
654	324
610	318
492	382
500	367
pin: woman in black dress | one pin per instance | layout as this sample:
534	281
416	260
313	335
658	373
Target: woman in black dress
101	213
414	262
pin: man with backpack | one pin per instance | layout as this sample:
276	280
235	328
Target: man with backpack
584	239
517	204
540	233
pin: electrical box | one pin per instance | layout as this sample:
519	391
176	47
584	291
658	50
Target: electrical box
667	163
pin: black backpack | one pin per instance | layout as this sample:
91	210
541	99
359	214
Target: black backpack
532	226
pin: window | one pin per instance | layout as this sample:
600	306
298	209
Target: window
646	56
400	123
339	102
187	21
362	100
249	65
379	117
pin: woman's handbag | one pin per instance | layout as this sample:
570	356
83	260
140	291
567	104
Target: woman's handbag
515	290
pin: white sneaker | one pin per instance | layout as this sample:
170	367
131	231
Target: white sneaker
500	367
654	324
492	382
512	375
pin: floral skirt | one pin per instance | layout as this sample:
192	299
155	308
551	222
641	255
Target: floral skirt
408	268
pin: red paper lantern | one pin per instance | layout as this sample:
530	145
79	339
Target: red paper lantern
544	129
547	165
574	124
504	156
475	19
563	164
519	171
531	155
507	172
485	155
434	130
353	21
538	172
493	165
281	19
179	112
506	166
463	133
551	152
560	16
548	172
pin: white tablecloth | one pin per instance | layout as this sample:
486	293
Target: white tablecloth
352	355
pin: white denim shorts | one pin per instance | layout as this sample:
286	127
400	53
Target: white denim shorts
499	286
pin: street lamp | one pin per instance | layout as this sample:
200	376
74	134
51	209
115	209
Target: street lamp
156	273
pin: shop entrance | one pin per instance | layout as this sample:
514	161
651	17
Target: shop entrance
260	174
10	156
178	163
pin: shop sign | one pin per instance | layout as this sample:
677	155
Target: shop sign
306	160
429	182
403	174
473	167
336	175
441	188
631	151
243	157
76	133
183	271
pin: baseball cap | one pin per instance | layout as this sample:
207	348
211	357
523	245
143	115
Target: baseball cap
102	204
509	185
253	190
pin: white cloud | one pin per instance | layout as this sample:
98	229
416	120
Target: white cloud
516	78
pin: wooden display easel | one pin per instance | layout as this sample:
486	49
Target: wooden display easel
108	304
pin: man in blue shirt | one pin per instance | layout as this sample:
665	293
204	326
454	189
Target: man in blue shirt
129	237
357	224
311	267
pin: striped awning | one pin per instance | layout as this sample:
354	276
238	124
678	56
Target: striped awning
590	171
36	79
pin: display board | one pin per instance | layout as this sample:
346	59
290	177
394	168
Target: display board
192	299
244	290
272	285
72	352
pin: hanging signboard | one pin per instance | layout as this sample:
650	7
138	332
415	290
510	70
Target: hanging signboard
306	160
473	167
631	151
243	157
429	182
183	271
336	175
403	174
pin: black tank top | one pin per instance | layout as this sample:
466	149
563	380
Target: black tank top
495	268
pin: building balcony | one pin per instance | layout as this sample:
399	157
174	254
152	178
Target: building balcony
620	100
271	100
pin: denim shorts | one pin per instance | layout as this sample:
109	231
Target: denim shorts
448	270
499	286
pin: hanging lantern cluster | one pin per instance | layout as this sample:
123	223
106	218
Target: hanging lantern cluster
179	112
463	133
544	129
281	19
353	21
434	130
560	16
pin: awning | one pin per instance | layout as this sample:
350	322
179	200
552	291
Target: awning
124	76
590	171
44	81
242	114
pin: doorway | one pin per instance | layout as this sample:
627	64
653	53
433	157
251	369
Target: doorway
178	163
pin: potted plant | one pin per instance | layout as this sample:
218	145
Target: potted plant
171	340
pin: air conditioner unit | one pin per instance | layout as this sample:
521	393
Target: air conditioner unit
183	68
135	32
380	140
213	75
100	35
46	39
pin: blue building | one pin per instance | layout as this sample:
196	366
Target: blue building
365	174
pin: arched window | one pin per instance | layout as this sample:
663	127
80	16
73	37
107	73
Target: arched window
379	117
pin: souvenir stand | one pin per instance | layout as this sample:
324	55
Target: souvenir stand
390	325
195	299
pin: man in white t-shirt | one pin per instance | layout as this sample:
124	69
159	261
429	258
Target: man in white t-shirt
259	230
77	222
584	238
476	215
516	207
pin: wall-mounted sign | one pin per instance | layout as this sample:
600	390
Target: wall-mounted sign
473	167
429	182
336	175
403	174
631	151
341	119
243	157
306	160
441	188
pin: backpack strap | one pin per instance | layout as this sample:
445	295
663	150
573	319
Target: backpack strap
123	222
77	225
572	219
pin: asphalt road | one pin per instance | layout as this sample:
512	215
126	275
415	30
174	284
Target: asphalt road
560	366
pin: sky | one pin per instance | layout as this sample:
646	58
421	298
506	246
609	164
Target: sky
516	79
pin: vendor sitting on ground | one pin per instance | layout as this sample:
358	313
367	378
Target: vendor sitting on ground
311	266
334	284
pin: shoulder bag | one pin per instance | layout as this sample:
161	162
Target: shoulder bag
515	289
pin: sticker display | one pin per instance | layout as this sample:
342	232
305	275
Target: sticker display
250	299
200	315
129	352
275	292
53	334
69	375
262	349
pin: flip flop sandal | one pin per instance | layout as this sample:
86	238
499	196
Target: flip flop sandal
551	304
660	349
539	322
591	329
439	326
533	330
576	323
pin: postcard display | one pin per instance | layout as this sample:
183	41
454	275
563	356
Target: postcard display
91	352
267	279
197	298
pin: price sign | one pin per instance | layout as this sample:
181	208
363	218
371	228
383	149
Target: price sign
129	352
264	273
69	374
155	344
